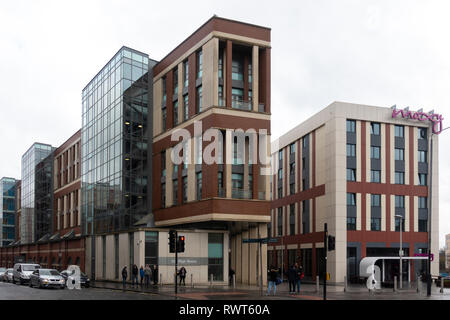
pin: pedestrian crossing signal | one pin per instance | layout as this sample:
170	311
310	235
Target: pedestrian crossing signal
181	244
172	241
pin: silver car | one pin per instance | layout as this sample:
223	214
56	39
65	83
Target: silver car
7	276
22	272
47	278
2	272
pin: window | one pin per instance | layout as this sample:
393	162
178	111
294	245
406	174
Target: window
175	81
375	128
422	155
185	189
164	118
423	202
163	195
292	187
215	256
199	99
221	65
422	179
351	174
422	133
163	163
351	223
351	150
423	225
292	148
375	224
237	97
375	176
399	201
199	185
280	155
397	224
199	64
399	131
250	73
186	106
375	200
185	74
292	169
351	126
292	219
280	191
375	152
175	192
220	184
175	113
280	222
237	69
399	177
399	154
164	90
351	199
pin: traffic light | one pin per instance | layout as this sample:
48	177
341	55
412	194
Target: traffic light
181	244
331	243
172	241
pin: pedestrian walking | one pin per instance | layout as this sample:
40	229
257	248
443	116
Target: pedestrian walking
155	274
298	276
292	273
124	276
147	273
134	274
182	274
142	274
272	277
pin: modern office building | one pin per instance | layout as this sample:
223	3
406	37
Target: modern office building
35	154
18	209
365	171
7	211
43	211
214	83
447	252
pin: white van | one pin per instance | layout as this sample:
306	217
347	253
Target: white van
22	272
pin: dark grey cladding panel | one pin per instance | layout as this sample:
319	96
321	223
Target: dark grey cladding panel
351	162
400	211
351	137
280	164
376	245
237	169
375	212
351	211
305	217
175	175
422	145
198	168
419	245
221	81
175	97
238	84
198	82
291	157
163	179
423	214
375	140
185	91
399	142
423	167
400	165
375	164
397	244
220	167
184	173
292	178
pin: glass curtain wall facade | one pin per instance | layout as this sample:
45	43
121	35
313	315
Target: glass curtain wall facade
44	197
7	211
30	159
114	144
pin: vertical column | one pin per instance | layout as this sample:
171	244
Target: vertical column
169	183
246	84
58	215
192	62
180	93
228	166
408	212
229	62
359	205
169	100
383	212
383	153
368	212
79	208
407	156
255	77
388	173
192	185
72	209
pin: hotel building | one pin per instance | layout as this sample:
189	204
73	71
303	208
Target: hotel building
356	168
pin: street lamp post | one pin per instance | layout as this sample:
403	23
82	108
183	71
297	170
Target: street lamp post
400	252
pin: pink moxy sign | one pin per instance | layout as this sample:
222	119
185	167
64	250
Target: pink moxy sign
435	118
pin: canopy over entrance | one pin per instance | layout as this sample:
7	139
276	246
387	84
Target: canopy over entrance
366	266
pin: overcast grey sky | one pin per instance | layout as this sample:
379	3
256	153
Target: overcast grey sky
369	52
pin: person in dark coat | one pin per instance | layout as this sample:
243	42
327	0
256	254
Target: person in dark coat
142	274
182	274
134	274
124	276
155	274
148	275
272	278
292	273
298	276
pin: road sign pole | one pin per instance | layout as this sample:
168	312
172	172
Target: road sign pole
325	240
176	262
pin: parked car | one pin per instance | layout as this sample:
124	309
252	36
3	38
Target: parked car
48	278
84	280
23	271
7	276
2	272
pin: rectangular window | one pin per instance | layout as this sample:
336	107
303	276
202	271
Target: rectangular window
292	169
422	133
351	174
292	219
280	192
375	176
351	126
164	119
199	185
292	148
375	200
422	179
375	152
164	90
185	74
423	202
422	155
185	189
175	113
199	99
375	128
351	150
163	164
280	155
237	97
237	69
221	65
399	154
397	224
215	256
175	81
399	177
375	224
186	106
292	187
399	131
163	195
423	225
280	222
399	201
199	64
351	199
175	192
351	223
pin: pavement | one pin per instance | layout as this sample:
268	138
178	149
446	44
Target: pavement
308	292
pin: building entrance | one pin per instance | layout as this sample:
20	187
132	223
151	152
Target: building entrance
391	268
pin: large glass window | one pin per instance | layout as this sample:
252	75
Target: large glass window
375	128
292	219
422	155
199	185
351	174
199	64
215	256
423	202
186	107
280	222
175	81
237	69
422	179
399	131
399	201
151	248
399	154
375	152
375	224
351	199
399	177
351	223
351	126
185	74
175	113
422	133
199	99
351	150
375	176
375	200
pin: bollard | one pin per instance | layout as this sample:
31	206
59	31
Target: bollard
192	280
345	284
442	285
234	281
211	279
395	284
317	284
